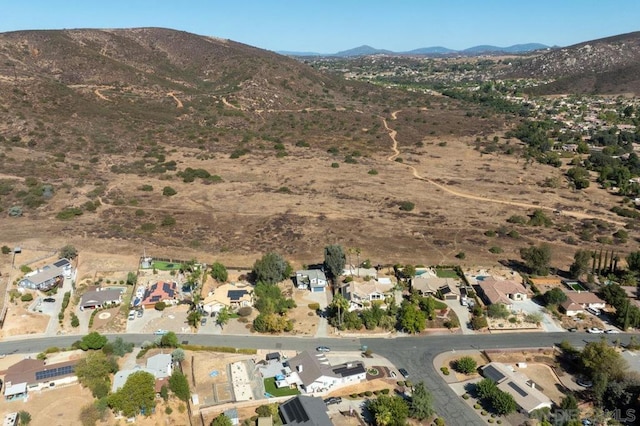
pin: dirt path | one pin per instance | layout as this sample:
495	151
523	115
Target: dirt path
178	102
414	171
224	101
100	95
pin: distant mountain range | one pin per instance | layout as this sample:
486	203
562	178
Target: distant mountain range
434	50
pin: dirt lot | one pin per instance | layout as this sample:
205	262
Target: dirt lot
20	321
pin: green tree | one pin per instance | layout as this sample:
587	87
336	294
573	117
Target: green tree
68	252
537	259
94	372
164	393
466	365
24	417
120	347
503	403
193	317
598	358
485	388
219	272
160	306
93	340
411	318
579	176
168	191
138	394
271	269
388	410
169	340
177	355
339	305
179	385
498	310
421	404
539	218
221	420
223	317
633	261
581	262
569	402
132	278
334	260
555	296
6	250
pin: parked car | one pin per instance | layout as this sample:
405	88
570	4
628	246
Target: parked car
132	315
49	300
333	400
595	330
404	372
572	329
612	331
323	349
593	311
584	383
203	321
160	332
140	313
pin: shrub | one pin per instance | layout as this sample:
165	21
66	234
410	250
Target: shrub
465	396
68	213
160	306
245	311
146	188
461	255
445	371
466	365
27	297
314	306
335	165
407	206
75	322
476	406
385	391
168	221
373	172
495	250
400	383
368	393
6	250
440	421
168	191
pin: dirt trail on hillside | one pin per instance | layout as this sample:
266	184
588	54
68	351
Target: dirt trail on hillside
414	171
100	95
178	102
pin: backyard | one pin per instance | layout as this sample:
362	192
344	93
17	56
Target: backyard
446	273
271	389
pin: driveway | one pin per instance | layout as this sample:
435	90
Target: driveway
463	315
531	307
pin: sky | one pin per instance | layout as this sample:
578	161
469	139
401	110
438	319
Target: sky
329	26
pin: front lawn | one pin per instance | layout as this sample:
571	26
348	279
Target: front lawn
161	265
271	389
446	273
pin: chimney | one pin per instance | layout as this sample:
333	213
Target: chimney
299	368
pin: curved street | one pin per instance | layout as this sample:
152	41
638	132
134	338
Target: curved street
416	354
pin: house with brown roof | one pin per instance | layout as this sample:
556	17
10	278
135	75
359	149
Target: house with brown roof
166	292
231	296
571	309
447	288
34	374
363	294
518	385
501	291
312	373
100	297
586	299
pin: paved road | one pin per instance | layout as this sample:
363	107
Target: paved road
416	354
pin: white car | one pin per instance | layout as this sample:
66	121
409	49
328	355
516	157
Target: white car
612	331
160	332
595	330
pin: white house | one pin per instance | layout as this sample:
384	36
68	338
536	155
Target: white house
47	277
586	299
361	295
572	309
311	279
312	373
522	389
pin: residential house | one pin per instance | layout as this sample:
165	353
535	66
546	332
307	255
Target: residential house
160	366
99	298
571	308
312	373
47	277
501	291
586	299
311	279
160	292
446	288
523	390
34	375
304	411
362	294
231	296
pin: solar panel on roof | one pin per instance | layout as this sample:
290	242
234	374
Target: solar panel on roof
54	372
155	299
236	294
517	389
